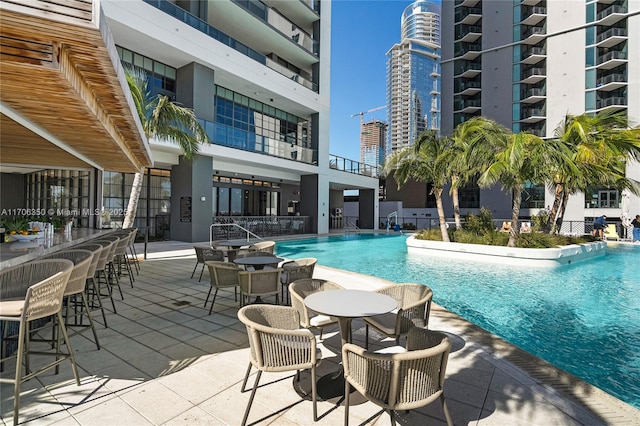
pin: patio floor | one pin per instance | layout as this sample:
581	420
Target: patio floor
165	361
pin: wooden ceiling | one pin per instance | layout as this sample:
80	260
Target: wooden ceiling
62	90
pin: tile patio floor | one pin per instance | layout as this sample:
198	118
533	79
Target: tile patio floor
164	361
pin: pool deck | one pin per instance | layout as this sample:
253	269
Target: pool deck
165	361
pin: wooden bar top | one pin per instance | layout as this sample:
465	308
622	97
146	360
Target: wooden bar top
15	253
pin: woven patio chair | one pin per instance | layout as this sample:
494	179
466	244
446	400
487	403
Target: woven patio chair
30	292
91	289
121	257
222	275
278	344
267	246
109	272
102	287
75	302
265	282
204	254
304	287
399	381
414	306
294	270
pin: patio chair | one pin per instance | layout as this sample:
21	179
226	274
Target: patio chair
611	232
75	301
91	288
304	287
204	254
399	381
294	270
264	246
30	292
222	275
278	344
414	306
265	282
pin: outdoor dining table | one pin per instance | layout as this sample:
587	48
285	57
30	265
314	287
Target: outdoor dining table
258	262
346	305
237	243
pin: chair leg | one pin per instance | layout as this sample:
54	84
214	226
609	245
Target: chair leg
208	295
253	393
246	378
194	269
314	394
447	416
213	301
85	305
201	271
18	379
366	336
392	415
346	402
91	287
67	342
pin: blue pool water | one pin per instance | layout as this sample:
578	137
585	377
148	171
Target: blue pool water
583	318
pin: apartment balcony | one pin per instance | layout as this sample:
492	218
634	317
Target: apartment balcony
611	82
537	130
467	106
466	51
533	35
611	14
466	69
468	33
533	55
534	15
468	88
614	102
299	11
466	3
532	115
530	2
533	75
612	59
533	95
467	15
611	37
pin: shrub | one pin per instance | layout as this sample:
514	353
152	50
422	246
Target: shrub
480	224
409	226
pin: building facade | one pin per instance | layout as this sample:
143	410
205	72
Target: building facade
372	142
413	76
526	64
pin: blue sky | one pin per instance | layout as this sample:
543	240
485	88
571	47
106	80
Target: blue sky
362	32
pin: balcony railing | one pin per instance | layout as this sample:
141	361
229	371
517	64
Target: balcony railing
533	71
533	31
610	56
463	12
462	48
532	112
612	78
611	32
202	26
533	92
614	8
221	134
614	100
351	166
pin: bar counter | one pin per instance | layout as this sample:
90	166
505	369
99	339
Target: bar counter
17	252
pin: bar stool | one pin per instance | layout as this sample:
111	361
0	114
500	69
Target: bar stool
30	292
76	289
91	289
101	271
109	272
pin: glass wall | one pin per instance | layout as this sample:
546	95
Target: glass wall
245	197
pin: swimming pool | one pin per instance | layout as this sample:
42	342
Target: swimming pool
583	318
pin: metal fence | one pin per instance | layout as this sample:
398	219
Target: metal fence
263	226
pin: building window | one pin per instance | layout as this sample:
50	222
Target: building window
600	197
161	78
533	196
469	197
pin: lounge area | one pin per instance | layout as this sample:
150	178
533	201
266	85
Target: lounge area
164	360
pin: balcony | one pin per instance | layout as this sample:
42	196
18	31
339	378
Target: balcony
534	15
614	102
467	15
533	95
532	115
533	55
351	166
530	2
468	88
467	51
533	35
533	75
466	3
611	14
611	82
468	33
467	106
612	59
611	37
467	69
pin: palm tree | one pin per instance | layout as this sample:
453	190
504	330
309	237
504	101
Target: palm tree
600	144
426	161
517	160
164	120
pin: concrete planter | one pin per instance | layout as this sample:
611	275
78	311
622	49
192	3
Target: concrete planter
529	257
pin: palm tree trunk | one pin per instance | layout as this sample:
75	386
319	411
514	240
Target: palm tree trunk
132	207
441	217
557	198
515	213
563	207
456	201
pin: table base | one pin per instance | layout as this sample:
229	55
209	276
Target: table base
329	387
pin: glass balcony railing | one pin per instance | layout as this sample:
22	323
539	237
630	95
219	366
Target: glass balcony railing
351	166
611	32
610	56
615	8
223	135
612	101
611	78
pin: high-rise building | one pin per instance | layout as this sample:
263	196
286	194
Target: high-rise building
526	64
413	76
372	139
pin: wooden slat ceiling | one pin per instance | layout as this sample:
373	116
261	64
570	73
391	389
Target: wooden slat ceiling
62	96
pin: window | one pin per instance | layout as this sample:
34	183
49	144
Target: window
469	197
599	197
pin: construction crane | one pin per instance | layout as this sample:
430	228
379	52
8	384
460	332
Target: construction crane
361	114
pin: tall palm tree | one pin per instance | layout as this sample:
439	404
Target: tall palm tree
600	144
426	161
164	120
517	160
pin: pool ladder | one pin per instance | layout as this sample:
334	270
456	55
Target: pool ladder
350	227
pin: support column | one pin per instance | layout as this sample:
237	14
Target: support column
191	203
